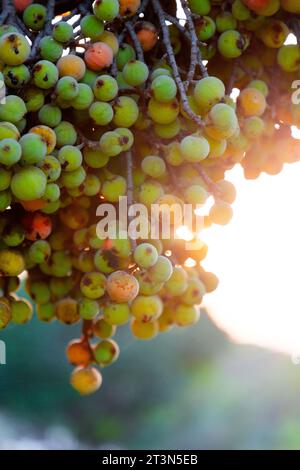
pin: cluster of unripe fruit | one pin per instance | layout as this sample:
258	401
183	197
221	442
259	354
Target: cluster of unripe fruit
97	111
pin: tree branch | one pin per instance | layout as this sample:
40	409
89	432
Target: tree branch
195	51
172	61
135	40
130	187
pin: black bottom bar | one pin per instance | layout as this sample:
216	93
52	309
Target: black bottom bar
141	458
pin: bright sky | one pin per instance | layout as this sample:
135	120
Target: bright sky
257	259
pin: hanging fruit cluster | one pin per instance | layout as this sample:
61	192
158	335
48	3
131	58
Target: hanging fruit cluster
131	98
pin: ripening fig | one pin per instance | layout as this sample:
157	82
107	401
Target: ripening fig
84	98
66	310
5	314
147	35
70	158
91	27
124	55
9	130
114	315
11	262
34	149
34	16
7	28
125	111
122	287
221	122
86	380
263	7
221	213
50	49
200	7
16	76
144	331
5	179
71	65
45	74
92	285
186	315
231	44
106	10
105	88
33	98
62	32
163	113
89	77
20	5
288	57
98	56
65	134
50	115
273	33
14	49
48	136
10	152
111	40
28	183
205	28
5	200
101	113
39	251
225	21
208	91
46	312
163	88
256	4
135	72
21	311
13	110
67	88
291	6
78	353
251	102
129	7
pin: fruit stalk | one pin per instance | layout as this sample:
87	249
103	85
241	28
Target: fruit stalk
170	53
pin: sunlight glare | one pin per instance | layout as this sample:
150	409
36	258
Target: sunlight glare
257	259
184	233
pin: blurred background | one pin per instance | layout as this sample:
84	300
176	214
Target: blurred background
188	389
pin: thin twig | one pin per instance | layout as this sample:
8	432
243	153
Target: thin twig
35	46
211	186
246	70
46	30
23	28
194	46
195	51
130	188
50	16
296	28
182	29
135	40
85	7
114	68
87	142
134	19
179	26
7	9
232	79
172	61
